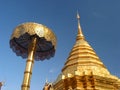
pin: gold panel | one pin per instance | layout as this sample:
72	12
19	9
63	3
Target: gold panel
34	28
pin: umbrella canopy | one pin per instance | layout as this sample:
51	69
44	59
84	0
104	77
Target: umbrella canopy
22	37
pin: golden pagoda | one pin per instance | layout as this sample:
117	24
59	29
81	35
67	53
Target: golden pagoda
84	70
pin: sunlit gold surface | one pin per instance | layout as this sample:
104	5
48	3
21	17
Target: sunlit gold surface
34	28
29	65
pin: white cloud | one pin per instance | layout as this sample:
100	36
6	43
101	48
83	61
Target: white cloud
51	70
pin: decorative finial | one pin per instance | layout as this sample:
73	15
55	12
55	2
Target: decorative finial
78	17
80	34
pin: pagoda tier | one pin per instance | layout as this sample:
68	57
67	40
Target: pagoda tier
83	69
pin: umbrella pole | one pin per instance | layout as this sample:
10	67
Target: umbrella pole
29	65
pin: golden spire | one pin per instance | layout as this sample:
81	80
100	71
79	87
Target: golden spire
80	34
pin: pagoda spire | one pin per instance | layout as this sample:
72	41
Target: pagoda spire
80	34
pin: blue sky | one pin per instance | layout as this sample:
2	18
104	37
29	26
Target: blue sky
99	21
